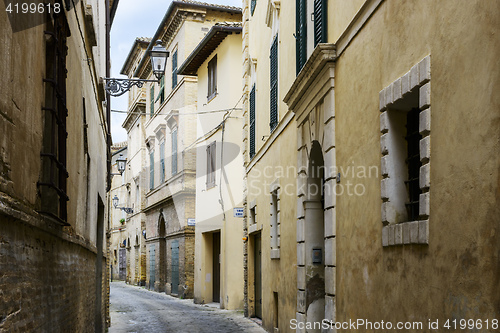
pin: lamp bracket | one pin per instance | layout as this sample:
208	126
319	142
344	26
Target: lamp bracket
117	87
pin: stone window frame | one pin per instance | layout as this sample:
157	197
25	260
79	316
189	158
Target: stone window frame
411	232
253	226
275	222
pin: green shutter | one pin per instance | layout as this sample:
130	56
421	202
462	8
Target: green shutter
151	170
252	6
152	98
319	21
274	84
174	70
252	122
162	162
300	34
174	151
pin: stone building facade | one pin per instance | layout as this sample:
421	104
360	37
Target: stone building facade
117	230
169	130
53	169
395	141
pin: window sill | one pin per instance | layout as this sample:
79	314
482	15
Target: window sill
253	228
406	233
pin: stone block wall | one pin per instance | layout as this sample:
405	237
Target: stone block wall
47	283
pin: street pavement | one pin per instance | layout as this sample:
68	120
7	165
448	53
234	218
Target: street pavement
135	309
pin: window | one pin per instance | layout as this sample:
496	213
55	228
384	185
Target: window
319	21
152	101
252	122
274	84
253	215
212	78
151	170
252	6
319	27
174	151
211	163
300	34
53	178
174	70
275	220
162	162
413	163
161	94
405	163
137	198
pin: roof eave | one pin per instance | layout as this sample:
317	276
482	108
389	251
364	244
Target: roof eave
203	43
165	18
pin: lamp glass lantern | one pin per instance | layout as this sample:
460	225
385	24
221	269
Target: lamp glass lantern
115	201
158	55
120	163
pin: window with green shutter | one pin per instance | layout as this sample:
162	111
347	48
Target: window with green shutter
174	70
151	170
252	122
162	162
274	84
300	34
174	151
252	6
319	21
152	101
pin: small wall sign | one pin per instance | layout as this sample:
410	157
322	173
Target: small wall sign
238	212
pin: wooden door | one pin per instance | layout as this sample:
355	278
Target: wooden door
122	265
175	267
216	267
258	276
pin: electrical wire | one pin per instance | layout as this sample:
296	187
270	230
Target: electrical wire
180	114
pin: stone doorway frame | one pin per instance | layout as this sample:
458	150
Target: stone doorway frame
312	99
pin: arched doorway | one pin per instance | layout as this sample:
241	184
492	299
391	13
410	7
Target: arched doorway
162	263
315	236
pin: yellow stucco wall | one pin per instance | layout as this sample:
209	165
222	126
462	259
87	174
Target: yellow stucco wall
456	275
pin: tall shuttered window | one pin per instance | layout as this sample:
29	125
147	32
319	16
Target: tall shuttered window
174	151
162	162
212	78
319	21
252	122
174	70
274	84
252	6
151	170
300	34
211	151
152	101
53	179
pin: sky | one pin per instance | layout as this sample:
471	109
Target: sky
135	19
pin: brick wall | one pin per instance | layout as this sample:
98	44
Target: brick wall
47	283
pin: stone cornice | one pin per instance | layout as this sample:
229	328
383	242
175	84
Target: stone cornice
138	110
322	54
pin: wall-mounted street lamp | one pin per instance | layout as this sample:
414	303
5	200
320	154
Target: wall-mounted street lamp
121	162
125	209
158	55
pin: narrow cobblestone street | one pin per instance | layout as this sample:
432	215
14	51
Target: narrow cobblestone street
135	309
